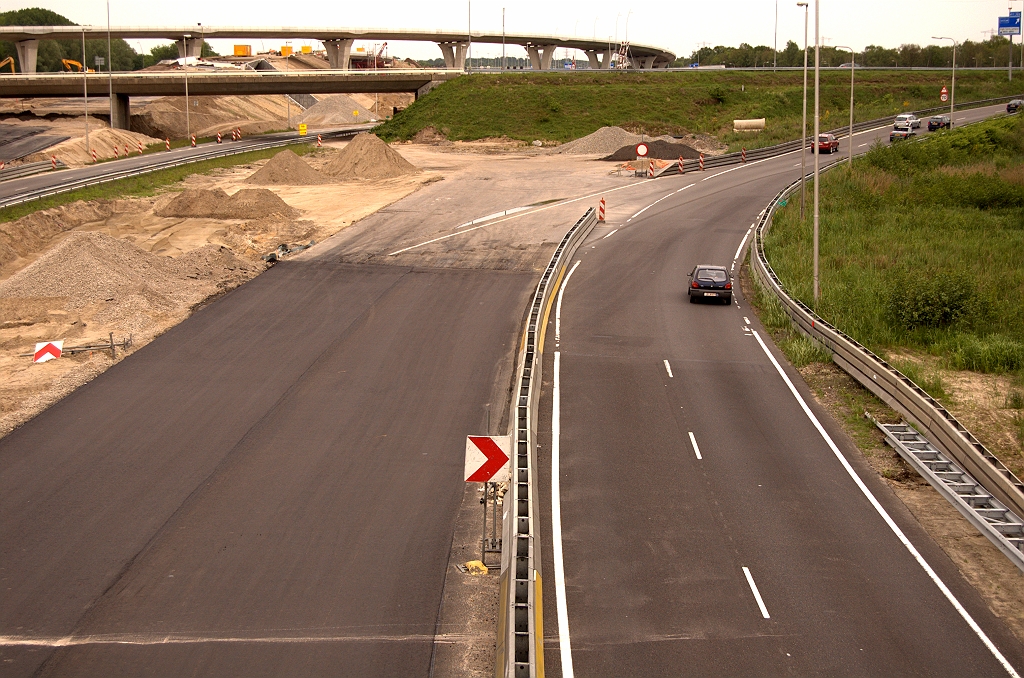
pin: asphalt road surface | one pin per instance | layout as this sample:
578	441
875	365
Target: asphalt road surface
267	489
705	525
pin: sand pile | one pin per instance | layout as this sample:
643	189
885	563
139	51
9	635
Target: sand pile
247	203
287	169
367	157
87	268
32	233
658	148
74	154
337	109
603	141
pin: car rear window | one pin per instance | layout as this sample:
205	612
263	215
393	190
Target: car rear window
711	274
823	137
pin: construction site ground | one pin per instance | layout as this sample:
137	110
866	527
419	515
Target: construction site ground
421	220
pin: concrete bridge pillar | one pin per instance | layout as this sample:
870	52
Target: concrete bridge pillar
605	62
120	112
27	51
541	56
647	62
189	47
339	53
454	54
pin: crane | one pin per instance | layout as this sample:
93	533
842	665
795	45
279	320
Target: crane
9	61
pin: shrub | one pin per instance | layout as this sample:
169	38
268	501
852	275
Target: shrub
938	301
994	354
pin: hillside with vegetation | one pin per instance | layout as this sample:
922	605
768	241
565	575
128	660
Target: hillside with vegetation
559	106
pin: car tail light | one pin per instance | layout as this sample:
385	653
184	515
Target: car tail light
728	285
694	284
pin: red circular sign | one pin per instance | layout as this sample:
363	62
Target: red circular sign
944	97
642	150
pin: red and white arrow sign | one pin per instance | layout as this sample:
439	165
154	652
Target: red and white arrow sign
487	458
47	350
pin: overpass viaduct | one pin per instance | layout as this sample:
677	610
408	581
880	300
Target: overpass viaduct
173	83
338	41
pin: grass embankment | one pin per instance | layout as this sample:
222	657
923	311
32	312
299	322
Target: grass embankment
143	184
561	107
922	248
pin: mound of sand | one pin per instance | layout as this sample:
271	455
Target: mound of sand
659	148
337	109
603	141
247	203
367	157
254	114
32	233
287	169
138	288
74	154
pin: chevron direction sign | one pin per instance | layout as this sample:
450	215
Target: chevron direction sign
487	458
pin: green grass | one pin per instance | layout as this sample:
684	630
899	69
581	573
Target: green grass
922	246
143	184
561	107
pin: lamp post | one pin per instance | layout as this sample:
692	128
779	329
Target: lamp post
952	91
803	130
85	92
817	129
110	70
775	52
188	125
853	67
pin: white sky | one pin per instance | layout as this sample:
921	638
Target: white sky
678	25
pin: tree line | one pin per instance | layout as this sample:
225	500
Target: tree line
51	52
992	52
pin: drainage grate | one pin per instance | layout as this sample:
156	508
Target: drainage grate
1001	525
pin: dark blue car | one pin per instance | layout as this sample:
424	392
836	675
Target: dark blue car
710	282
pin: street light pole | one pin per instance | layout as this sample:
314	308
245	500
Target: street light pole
188	125
952	92
853	66
803	129
775	54
85	93
110	70
817	130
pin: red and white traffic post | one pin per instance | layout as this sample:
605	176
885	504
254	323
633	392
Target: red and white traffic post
126	153
193	141
701	162
94	155
53	160
319	141
488	461
681	168
168	143
116	154
218	137
140	148
743	154
600	210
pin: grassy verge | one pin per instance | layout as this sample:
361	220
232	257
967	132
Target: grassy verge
144	184
560	107
921	248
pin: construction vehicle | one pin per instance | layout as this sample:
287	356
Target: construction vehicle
9	61
70	65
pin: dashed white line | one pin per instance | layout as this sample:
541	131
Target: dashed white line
746	320
610	234
668	368
757	594
888	519
862	146
693	441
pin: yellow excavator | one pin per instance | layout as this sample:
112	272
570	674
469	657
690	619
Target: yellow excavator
9	61
71	65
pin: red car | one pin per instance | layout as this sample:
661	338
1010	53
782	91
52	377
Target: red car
827	143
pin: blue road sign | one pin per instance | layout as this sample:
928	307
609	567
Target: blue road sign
1009	25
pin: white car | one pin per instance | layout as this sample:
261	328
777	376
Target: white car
907	121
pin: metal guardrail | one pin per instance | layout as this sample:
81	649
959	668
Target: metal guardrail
994	520
520	646
889	384
217	151
29	169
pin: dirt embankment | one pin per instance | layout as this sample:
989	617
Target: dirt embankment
165	117
105	142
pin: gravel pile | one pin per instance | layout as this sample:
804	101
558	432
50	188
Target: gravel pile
659	148
139	288
367	157
287	169
248	203
335	110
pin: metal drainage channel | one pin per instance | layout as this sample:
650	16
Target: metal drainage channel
992	518
520	643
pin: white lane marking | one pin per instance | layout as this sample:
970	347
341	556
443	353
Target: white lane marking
516	216
746	320
743	242
558	306
668	368
685	187
564	646
664	197
862	146
888	520
693	441
757	594
489	217
610	234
